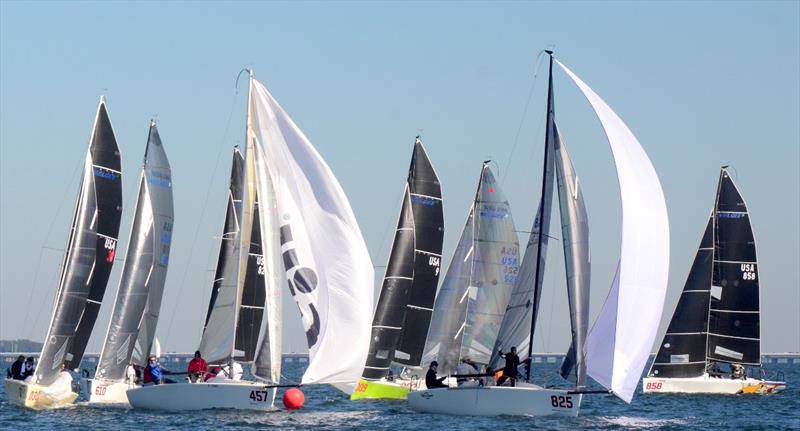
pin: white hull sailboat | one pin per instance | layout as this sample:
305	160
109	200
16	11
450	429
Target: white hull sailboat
88	260
217	393
717	319
522	400
616	349
283	195
131	329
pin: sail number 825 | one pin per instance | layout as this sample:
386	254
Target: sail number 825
561	401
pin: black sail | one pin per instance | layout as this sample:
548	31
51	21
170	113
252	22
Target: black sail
426	204
251	310
734	333
403	313
230	228
682	353
89	256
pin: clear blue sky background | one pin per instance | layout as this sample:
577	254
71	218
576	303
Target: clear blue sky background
701	84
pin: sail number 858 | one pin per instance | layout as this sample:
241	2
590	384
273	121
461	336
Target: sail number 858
748	271
561	401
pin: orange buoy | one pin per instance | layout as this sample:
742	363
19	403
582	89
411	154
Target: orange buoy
293	399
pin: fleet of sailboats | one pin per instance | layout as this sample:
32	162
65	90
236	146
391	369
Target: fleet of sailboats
717	319
289	227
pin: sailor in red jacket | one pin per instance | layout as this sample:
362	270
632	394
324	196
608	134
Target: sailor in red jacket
198	367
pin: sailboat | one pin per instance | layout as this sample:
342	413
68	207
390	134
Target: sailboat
88	259
403	313
131	330
288	195
616	349
717	319
470	305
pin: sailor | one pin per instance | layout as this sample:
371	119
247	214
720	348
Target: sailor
17	368
153	371
713	369
510	371
198	367
29	368
738	372
465	367
131	375
431	381
234	372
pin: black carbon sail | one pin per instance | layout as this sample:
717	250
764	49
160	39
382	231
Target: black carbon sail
251	310
717	316
403	313
89	255
734	333
230	227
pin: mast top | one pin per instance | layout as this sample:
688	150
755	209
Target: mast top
549	51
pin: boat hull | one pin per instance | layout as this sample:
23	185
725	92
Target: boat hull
35	396
527	400
106	392
710	385
226	394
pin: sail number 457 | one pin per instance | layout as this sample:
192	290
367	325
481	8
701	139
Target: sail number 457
259	396
561	401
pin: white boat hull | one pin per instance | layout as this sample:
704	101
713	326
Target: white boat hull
709	385
528	400
36	396
106	392
216	394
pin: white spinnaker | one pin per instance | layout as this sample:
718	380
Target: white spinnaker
327	265
621	339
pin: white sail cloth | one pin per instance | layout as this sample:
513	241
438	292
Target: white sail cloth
621	339
327	265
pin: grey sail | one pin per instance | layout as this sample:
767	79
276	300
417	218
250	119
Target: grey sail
734	331
475	293
254	295
575	234
217	339
145	270
89	255
159	185
682	352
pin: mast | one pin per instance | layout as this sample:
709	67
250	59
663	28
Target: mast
548	143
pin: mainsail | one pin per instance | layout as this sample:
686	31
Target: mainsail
476	290
89	255
403	313
717	316
217	338
734	333
618	346
327	265
138	298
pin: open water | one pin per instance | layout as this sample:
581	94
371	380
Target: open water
327	408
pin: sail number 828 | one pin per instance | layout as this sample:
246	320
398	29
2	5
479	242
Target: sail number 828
561	401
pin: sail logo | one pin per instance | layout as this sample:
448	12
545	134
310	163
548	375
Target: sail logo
111	249
730	215
302	280
103	173
423	201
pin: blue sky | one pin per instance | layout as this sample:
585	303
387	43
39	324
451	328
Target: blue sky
701	84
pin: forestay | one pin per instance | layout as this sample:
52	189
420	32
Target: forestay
619	343
327	264
89	255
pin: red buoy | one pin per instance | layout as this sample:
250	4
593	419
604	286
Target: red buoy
293	399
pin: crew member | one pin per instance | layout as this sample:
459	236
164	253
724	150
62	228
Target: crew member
17	368
510	371
198	367
431	381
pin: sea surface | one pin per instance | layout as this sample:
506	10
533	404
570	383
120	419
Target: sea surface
327	408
